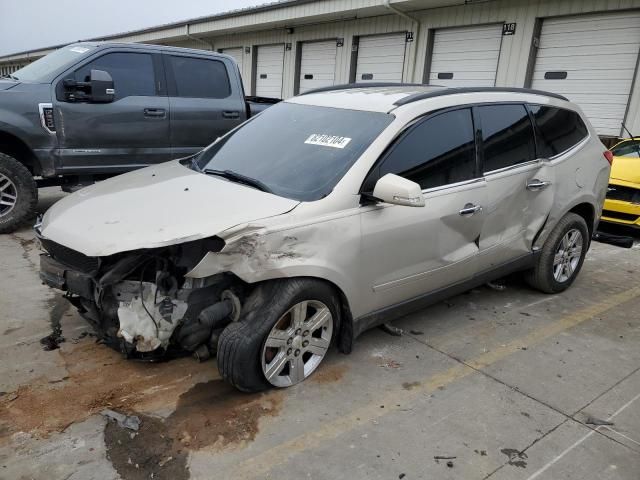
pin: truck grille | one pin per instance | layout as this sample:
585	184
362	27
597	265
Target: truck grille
71	258
625	194
627	217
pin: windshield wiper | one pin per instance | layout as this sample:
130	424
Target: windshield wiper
10	76
239	178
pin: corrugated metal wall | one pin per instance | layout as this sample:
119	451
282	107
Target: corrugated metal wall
515	50
513	64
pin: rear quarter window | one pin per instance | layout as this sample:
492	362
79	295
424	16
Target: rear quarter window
557	130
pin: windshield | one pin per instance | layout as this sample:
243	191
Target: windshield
41	68
296	151
628	148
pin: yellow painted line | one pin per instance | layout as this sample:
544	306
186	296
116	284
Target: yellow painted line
261	464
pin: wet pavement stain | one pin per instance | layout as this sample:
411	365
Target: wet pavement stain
516	457
149	453
329	374
210	415
410	385
57	307
98	378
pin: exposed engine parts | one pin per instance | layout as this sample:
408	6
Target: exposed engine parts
141	303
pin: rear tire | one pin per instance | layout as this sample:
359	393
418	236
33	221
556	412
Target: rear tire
562	256
243	347
18	194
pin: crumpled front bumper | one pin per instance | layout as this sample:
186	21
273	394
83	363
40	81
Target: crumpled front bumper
61	277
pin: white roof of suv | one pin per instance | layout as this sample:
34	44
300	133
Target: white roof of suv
386	97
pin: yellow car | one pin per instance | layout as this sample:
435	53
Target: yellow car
622	205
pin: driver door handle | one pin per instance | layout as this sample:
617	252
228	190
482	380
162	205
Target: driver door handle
470	209
535	184
154	112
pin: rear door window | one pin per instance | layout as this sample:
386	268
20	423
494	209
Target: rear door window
437	151
200	77
507	136
557	130
132	73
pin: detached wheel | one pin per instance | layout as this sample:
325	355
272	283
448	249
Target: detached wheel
18	194
562	255
284	333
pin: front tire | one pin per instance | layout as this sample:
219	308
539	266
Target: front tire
562	255
282	336
18	194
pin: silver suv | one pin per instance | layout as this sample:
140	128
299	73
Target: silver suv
326	215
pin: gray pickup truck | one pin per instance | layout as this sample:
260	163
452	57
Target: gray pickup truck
89	111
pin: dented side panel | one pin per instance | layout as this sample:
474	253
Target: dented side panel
327	247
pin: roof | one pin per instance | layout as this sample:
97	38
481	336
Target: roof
376	98
386	97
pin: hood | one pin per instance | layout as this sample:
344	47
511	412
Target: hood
626	169
153	207
6	84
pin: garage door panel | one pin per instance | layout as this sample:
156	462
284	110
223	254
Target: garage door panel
472	75
468	54
317	65
592	63
269	70
599	54
591	75
381	58
237	54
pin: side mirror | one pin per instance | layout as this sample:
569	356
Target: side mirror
101	85
398	191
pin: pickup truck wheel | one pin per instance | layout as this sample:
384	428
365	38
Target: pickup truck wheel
283	335
562	256
18	194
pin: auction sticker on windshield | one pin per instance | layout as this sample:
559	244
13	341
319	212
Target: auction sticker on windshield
335	141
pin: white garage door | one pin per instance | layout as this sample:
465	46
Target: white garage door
381	58
270	63
466	56
237	54
591	59
317	65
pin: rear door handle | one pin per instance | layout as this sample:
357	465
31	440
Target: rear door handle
155	112
535	184
470	209
230	114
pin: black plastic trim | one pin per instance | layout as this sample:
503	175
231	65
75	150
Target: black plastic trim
349	86
454	91
407	307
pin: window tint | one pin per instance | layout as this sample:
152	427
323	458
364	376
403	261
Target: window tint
557	129
132	73
507	136
628	148
200	78
437	151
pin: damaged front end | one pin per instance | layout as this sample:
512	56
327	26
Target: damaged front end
141	303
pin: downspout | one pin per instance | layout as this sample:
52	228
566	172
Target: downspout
406	16
210	45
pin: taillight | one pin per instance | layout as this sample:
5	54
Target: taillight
609	156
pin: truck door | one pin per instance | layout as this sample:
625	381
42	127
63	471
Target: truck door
128	133
206	100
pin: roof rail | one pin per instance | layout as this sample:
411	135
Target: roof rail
349	86
453	90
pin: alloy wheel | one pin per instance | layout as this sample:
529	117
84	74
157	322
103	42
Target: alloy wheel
297	343
568	254
8	195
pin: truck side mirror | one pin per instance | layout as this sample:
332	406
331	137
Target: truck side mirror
101	85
